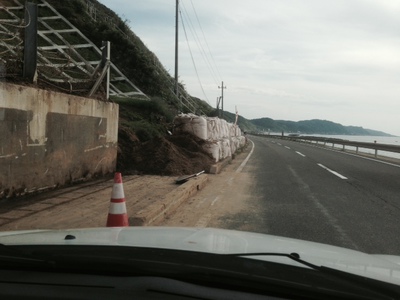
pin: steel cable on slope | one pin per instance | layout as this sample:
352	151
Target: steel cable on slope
22	21
4	24
12	36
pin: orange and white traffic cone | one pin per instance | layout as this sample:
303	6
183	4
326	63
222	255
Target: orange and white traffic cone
117	215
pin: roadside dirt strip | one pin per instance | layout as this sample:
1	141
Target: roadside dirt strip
150	200
227	201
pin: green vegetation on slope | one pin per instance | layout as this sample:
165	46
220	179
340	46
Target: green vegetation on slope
133	58
244	124
128	52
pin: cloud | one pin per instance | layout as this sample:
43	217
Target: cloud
335	59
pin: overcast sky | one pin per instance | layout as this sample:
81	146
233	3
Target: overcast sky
336	60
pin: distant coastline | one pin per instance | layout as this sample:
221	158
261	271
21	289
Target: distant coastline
315	126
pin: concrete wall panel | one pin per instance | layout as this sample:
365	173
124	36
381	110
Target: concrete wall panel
50	139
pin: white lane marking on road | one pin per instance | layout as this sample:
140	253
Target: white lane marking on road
333	172
205	219
357	155
367	158
279	144
215	200
301	154
287	147
245	161
330	218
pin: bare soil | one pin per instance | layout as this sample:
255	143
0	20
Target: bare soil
167	156
82	206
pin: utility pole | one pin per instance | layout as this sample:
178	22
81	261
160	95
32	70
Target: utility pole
222	87
218	102
176	48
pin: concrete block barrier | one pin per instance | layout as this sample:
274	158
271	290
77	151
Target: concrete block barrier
157	212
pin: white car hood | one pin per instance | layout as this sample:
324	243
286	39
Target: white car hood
381	267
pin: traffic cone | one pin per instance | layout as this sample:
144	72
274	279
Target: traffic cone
117	215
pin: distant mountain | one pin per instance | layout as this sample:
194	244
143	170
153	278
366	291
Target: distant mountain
243	123
313	127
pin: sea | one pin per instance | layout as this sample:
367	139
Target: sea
390	140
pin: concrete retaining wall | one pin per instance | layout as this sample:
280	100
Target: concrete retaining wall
49	139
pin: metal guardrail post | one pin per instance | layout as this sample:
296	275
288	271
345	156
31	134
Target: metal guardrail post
334	141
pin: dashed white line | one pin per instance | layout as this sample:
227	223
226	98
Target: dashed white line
287	147
301	154
367	158
245	161
333	172
279	144
215	200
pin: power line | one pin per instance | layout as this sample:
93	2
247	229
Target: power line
191	55
200	45
204	37
207	55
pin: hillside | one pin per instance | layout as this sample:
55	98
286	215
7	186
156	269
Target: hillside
128	52
132	57
143	68
312	127
144	125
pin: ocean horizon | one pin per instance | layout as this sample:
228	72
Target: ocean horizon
389	140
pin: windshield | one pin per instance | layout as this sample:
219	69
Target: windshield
275	119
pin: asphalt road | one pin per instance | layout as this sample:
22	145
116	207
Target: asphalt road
278	187
311	193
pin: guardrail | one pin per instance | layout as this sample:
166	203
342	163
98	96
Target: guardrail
334	141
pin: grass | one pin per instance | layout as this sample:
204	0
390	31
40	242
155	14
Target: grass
46	12
148	119
73	38
4	15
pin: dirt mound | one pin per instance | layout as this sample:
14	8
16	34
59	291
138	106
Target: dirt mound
171	155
